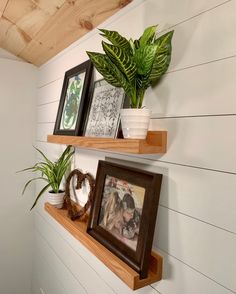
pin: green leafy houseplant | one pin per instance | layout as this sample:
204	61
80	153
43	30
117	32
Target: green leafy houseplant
51	172
133	65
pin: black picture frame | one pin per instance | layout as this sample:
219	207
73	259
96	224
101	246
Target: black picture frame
125	226
74	101
103	119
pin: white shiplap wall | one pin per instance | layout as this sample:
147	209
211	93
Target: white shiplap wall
195	102
17	128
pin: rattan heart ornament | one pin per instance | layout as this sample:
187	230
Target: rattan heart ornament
73	211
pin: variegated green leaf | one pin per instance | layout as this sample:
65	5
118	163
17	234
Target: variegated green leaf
122	60
163	56
109	71
132	46
144	58
136	44
159	67
164	40
116	39
148	36
143	82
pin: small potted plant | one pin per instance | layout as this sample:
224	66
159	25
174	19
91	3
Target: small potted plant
134	65
52	173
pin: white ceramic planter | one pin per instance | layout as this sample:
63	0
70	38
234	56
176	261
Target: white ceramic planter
56	199
135	122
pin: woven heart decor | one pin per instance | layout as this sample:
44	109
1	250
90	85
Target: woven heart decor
73	211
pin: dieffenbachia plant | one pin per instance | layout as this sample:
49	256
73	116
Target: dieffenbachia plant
133	65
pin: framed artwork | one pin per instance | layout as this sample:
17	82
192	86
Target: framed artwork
104	114
73	105
123	212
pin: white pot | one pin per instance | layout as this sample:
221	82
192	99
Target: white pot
56	199
135	122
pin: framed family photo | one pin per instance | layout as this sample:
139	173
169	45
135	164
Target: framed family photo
123	212
104	114
74	101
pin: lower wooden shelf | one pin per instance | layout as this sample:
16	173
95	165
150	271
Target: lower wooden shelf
117	266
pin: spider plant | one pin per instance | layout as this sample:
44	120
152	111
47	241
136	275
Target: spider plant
133	65
50	172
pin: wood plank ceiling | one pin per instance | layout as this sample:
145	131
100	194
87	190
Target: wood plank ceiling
36	30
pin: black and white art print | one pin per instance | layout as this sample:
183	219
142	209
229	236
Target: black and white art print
104	114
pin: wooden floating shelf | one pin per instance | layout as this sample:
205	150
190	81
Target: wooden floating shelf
117	266
155	143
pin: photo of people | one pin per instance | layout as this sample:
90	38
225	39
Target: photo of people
121	210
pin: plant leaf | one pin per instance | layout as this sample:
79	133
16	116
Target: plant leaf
122	60
26	169
108	70
163	56
27	184
144	58
116	39
40	193
44	156
147	36
66	154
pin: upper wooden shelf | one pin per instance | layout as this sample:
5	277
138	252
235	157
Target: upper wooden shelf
155	143
117	266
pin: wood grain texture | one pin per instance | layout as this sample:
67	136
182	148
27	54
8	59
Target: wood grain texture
3	4
73	20
12	38
48	27
26	15
121	269
155	143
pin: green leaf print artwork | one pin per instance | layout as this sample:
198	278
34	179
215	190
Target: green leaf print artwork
72	102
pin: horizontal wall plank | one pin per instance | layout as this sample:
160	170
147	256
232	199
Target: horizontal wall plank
50	92
199	141
198	90
205	248
180	278
50	271
44	277
47	112
80	269
197	41
44	129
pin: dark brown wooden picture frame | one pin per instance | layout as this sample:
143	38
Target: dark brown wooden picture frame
74	101
148	184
